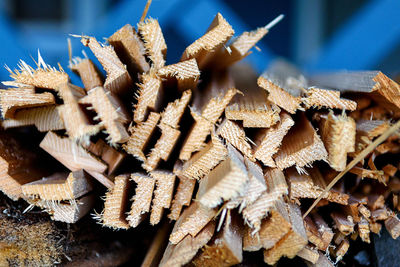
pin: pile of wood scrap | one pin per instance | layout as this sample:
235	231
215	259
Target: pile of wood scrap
233	161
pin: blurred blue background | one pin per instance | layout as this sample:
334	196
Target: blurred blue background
317	35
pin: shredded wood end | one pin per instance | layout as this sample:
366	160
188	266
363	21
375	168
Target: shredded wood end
321	98
183	196
191	222
309	254
149	95
187	73
253	109
162	194
339	136
300	147
141	201
115	204
140	136
205	48
87	71
269	140
154	42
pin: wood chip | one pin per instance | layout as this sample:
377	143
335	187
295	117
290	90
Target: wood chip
344	224
186	72
88	72
149	95
389	169
183	196
323	261
371	128
162	194
321	98
309	254
363	230
392	225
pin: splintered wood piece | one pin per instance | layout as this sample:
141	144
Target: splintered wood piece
225	249
205	119
173	113
76	122
115	204
206	47
88	72
365	173
254	109
140	136
118	79
74	157
154	42
157	247
130	48
314	234
67	212
276	188
343	224
293	242
240	48
43	118
45	76
311	186
235	135
375	227
381	88
392	225
183	252
272	229
149	96
321	98
225	182
163	148
111	113
309	254
183	196
13	99
16	167
59	186
389	169
269	140
342	249
193	219
363	230
300	147
203	161
323	261
371	128
376	201
141	201
339	136
379	214
162	194
186	72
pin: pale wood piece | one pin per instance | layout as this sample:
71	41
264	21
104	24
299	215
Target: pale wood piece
128	46
59	186
154	42
183	252
323	228
375	227
206	47
323	261
300	147
225	249
254	109
380	214
376	201
303	185
191	222
162	194
140	136
235	135
183	196
314	234
118	80
205	117
240	48
149	96
272	229
67	212
276	188
226	181
322	98
371	128
309	254
115	204
13	99
392	225
43	118
87	71
390	170
76	122
363	230
74	157
344	224
342	249
186	73
269	140
141	201
44	76
381	88
205	160
339	136
156	249
366	173
16	167
173	113
293	242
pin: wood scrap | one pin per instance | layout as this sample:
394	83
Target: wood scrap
149	95
162	194
319	98
309	254
87	71
183	196
185	72
392	225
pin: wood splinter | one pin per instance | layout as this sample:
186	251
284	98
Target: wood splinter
186	73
